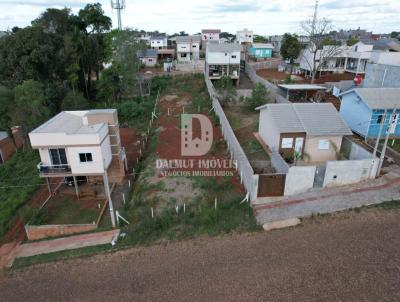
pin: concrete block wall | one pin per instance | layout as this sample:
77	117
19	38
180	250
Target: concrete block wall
299	179
36	232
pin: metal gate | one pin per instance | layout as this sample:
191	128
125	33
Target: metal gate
270	185
319	176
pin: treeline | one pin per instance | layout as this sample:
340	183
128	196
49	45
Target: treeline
58	62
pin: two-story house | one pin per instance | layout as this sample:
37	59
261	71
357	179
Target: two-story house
158	42
210	34
352	59
223	59
81	143
244	36
188	48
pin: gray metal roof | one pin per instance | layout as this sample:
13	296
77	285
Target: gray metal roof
315	119
3	135
71	122
302	87
148	53
378	98
262	45
188	39
224	47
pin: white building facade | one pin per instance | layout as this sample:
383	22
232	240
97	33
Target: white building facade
244	36
158	42
188	48
223	59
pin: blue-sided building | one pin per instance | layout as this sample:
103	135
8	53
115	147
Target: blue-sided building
366	109
261	50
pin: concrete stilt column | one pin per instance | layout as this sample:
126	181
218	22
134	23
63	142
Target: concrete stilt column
48	185
76	187
108	194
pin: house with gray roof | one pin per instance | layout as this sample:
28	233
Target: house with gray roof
312	129
370	111
223	59
148	57
188	48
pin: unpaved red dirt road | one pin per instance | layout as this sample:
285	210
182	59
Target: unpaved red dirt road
345	257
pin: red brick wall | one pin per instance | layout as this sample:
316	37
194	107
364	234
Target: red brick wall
7	148
34	232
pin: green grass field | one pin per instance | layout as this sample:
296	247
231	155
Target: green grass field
19	179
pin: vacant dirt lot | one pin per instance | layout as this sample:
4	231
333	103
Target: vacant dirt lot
345	257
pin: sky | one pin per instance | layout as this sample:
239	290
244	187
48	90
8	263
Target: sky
263	17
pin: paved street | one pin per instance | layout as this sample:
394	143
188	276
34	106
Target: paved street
328	200
345	257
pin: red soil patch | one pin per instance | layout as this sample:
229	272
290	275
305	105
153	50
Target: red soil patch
17	231
169	145
129	140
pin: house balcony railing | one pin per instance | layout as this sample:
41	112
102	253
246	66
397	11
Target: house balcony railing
45	169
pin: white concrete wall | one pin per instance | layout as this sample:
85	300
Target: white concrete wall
61	139
223	58
390	58
244	36
183	47
209	36
106	152
94	167
156	43
339	173
299	179
267	130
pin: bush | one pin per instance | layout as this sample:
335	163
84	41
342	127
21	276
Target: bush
259	96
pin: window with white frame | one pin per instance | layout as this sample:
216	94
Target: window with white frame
323	144
287	143
85	157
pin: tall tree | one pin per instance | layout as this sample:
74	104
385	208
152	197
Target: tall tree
290	48
30	108
315	54
6	103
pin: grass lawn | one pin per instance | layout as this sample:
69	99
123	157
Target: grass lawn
19	179
396	145
67	210
244	123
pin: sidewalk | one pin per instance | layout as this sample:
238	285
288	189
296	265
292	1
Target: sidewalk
9	252
331	200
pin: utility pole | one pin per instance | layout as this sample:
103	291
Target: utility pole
118	5
108	196
391	120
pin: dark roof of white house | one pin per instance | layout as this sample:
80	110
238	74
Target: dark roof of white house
210	31
188	39
378	98
315	119
148	53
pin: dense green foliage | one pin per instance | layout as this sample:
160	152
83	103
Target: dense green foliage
290	49
225	89
18	181
259	96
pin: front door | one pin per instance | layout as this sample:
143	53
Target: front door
298	146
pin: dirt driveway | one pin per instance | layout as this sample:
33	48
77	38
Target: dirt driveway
345	257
